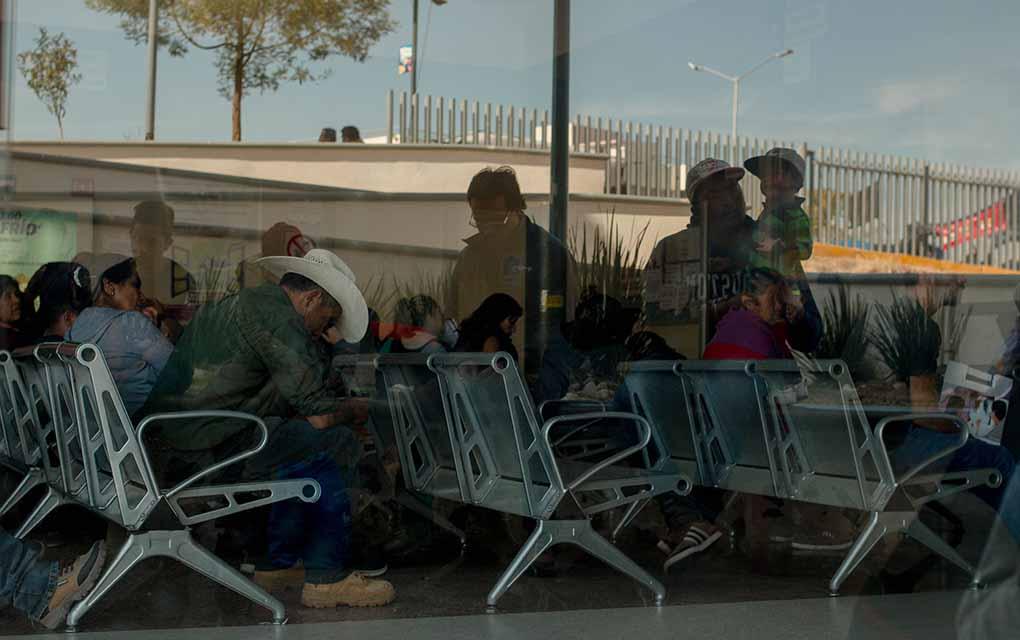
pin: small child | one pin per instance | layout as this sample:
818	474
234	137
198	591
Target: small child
783	237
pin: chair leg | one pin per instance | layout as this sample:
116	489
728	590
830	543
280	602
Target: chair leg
539	541
182	547
49	502
920	532
589	540
135	549
632	511
31	480
873	532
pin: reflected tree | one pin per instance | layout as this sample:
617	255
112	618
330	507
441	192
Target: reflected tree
259	44
51	70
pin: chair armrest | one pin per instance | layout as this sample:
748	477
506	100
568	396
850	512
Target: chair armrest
590	406
644	437
962	435
192	415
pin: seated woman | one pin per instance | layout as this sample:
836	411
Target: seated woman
491	327
10	314
418	327
749	331
135	349
55	297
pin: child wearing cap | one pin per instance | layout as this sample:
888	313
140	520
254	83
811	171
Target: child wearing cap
783	237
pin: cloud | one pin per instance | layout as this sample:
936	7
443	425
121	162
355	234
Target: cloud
896	98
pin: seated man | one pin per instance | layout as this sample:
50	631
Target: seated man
258	352
41	589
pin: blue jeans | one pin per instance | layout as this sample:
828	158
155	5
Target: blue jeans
26	582
316	533
922	443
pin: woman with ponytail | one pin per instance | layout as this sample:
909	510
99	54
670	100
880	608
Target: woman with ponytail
55	296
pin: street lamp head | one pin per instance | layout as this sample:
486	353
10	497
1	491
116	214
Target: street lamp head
783	54
694	67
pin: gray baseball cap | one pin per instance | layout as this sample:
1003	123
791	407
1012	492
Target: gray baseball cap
775	155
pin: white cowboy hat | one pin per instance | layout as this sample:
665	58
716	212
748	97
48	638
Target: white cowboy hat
331	273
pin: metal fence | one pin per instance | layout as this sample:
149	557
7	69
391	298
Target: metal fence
861	200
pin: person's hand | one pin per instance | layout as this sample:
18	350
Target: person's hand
332	336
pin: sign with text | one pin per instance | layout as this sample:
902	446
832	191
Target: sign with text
29	238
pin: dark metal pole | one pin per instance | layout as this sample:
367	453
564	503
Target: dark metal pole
414	52
150	106
560	153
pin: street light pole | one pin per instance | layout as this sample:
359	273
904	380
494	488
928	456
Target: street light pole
414	51
735	80
150	105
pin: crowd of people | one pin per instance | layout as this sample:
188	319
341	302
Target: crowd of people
267	351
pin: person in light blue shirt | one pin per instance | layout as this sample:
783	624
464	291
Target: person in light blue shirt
135	349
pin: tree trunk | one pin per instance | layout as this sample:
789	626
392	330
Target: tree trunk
60	126
236	102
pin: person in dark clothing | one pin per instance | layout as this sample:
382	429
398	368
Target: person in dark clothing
55	295
10	314
491	327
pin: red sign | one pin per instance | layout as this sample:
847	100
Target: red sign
986	223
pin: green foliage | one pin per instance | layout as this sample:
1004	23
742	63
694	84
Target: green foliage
608	261
50	70
259	44
907	339
845	329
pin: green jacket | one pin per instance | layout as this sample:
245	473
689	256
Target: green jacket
249	352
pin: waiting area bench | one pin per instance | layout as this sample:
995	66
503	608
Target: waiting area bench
62	400
466	431
774	429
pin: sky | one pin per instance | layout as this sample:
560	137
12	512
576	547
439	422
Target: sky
931	79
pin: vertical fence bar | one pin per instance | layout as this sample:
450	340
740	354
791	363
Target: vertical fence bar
523	127
403	118
464	122
545	129
428	120
619	156
534	128
510	122
452	135
628	178
440	119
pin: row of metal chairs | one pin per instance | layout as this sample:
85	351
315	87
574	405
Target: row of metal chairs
63	426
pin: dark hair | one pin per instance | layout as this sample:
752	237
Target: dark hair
413	311
484	322
501	181
55	288
757	281
696	201
300	284
349	133
328	134
600	320
8	283
155	213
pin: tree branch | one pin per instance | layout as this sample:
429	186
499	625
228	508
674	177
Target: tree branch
187	36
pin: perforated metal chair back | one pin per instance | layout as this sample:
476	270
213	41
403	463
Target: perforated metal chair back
419	427
667	398
55	377
820	436
119	480
21	445
503	460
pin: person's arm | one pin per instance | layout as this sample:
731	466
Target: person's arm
491	345
799	228
150	342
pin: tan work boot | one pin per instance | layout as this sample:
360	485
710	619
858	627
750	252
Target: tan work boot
353	591
73	584
281	579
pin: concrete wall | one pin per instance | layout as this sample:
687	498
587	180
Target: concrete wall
387	168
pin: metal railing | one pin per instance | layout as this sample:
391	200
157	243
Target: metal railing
861	200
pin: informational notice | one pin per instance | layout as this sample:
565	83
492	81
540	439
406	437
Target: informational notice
30	238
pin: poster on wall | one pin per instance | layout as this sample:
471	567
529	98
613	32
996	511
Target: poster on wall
31	237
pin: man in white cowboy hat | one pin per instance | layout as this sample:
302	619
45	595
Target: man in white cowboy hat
258	352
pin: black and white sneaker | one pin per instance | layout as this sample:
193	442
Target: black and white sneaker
697	538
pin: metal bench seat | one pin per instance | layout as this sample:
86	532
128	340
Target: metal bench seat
774	429
467	431
104	466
